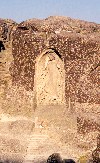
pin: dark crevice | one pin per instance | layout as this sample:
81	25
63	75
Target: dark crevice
23	28
56	52
2	47
34	28
94	68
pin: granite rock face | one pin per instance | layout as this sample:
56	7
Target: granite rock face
49	88
6	27
75	42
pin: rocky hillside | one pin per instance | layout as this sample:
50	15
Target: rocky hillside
28	132
59	24
6	58
75	41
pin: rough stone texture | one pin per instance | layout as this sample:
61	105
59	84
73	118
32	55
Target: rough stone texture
77	42
49	79
68	50
6	27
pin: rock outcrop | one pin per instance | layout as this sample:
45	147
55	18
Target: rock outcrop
6	27
49	88
6	58
75	42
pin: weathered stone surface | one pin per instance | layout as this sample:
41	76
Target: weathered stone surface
49	79
50	73
75	42
6	27
6	58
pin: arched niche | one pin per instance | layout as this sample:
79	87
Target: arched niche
49	78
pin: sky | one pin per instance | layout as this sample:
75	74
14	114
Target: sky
21	10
